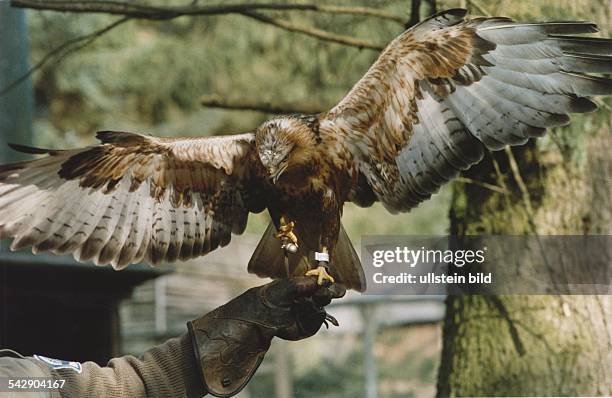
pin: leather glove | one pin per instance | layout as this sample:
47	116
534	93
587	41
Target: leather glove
231	341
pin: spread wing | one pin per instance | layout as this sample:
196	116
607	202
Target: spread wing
448	88
132	198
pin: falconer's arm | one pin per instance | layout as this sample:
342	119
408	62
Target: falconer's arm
168	370
219	354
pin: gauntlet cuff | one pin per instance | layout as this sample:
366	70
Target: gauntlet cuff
228	352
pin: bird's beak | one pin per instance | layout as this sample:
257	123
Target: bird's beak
275	173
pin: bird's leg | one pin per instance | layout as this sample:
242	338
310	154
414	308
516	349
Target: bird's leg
289	241
330	213
322	263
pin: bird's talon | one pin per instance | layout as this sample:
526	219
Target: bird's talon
285	234
331	319
321	274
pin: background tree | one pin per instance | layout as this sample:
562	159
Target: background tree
559	185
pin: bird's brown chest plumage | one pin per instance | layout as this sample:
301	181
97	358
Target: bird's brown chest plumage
305	189
309	192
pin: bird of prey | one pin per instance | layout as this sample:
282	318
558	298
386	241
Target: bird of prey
439	96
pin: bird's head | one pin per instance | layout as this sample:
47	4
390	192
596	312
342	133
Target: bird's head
284	144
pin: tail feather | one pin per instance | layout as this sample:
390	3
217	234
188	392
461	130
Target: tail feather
33	150
346	264
268	260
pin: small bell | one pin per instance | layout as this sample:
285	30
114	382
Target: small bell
291	247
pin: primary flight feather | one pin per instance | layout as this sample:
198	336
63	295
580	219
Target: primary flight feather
437	97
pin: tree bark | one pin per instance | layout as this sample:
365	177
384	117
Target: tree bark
419	10
16	105
534	345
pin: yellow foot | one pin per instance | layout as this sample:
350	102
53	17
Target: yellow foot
286	235
321	274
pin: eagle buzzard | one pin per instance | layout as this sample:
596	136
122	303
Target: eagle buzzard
438	96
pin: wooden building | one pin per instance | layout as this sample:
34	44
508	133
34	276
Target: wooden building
57	307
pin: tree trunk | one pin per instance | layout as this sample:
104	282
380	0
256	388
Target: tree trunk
16	105
534	345
420	10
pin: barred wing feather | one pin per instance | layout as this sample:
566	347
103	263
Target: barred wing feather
449	88
133	198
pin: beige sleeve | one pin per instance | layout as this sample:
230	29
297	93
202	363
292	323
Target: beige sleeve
168	370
